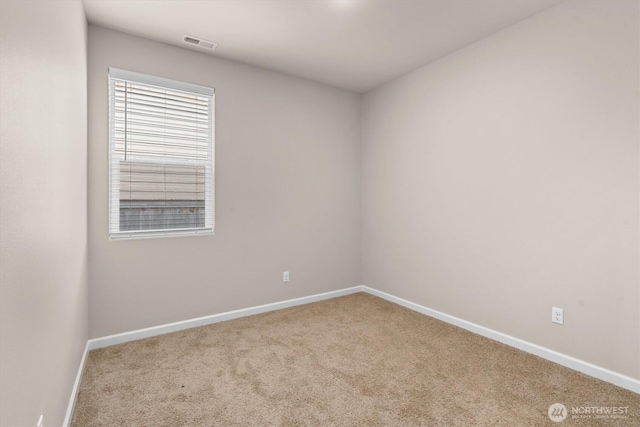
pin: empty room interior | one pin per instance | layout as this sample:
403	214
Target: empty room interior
323	212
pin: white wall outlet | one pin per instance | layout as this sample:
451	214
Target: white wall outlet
40	421
557	315
285	276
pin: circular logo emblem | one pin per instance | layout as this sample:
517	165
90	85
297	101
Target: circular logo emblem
557	412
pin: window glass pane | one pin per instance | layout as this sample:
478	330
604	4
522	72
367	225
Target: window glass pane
161	158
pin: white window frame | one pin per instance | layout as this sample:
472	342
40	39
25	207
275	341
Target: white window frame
114	186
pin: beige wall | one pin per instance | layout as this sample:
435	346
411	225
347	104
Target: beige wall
503	180
43	213
288	194
496	182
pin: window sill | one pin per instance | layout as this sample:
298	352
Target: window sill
160	234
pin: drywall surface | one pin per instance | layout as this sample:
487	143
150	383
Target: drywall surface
288	194
43	214
503	180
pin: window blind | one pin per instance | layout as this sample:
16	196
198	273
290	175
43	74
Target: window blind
161	156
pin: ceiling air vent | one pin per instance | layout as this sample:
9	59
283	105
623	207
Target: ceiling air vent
199	42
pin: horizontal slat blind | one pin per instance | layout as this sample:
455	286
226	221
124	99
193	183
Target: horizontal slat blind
161	156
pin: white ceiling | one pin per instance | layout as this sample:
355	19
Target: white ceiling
352	44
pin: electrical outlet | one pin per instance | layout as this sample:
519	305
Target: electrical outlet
285	276
557	315
40	421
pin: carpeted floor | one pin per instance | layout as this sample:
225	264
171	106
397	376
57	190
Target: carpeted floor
351	361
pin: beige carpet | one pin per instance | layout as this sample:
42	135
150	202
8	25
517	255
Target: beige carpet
351	361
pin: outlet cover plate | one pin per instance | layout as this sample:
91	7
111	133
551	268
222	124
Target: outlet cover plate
557	315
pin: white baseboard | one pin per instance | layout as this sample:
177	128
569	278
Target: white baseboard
187	324
559	358
76	385
207	320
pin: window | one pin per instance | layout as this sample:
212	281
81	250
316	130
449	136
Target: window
161	151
